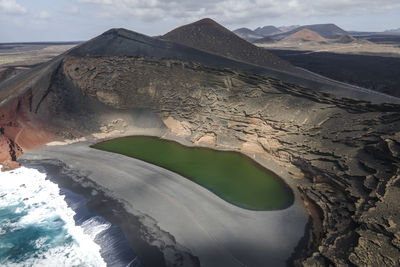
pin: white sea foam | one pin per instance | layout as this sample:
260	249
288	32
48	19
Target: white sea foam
40	204
94	226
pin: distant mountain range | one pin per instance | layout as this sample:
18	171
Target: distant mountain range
393	30
267	30
325	30
288	28
247	34
261	32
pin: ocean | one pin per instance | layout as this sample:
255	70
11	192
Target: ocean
42	224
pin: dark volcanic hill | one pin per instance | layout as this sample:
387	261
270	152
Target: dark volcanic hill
344	154
346	39
325	30
247	34
121	42
267	30
208	35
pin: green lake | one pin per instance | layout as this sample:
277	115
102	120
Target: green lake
230	175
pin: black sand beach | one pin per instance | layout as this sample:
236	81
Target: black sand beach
169	220
124	241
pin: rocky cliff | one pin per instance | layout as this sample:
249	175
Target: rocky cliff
344	154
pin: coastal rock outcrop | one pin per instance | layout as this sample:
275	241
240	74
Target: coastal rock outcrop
19	129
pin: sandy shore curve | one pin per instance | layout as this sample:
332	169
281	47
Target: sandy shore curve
202	224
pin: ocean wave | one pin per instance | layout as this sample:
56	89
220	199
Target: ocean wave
37	227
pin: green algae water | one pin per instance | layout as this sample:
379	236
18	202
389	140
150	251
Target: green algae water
230	175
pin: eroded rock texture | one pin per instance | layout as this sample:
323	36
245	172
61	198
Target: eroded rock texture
347	151
344	153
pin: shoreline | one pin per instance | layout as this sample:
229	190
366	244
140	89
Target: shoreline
214	239
126	230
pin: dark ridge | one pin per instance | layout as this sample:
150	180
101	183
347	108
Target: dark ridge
346	39
215	38
247	34
125	43
208	21
122	42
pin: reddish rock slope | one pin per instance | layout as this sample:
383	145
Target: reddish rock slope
305	35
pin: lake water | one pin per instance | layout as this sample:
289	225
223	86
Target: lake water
230	175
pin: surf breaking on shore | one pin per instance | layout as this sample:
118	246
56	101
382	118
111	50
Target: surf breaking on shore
40	227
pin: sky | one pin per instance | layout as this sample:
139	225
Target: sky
79	20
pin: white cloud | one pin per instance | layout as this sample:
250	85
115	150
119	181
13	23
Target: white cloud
104	2
43	15
11	7
73	10
236	11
